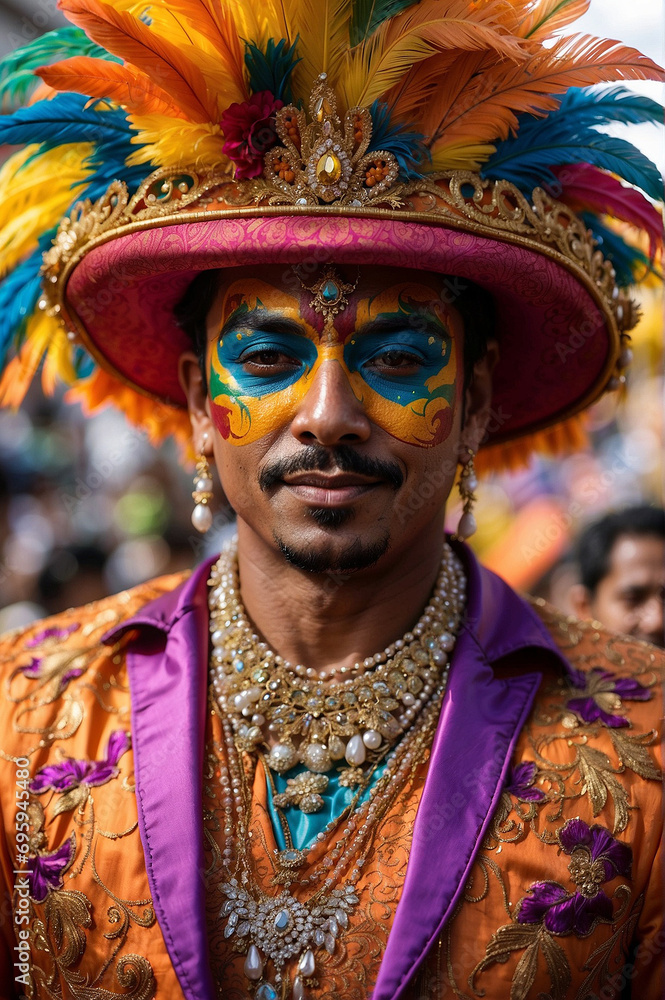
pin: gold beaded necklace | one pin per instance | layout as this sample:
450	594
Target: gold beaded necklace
276	931
321	724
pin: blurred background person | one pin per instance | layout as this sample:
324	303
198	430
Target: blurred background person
621	561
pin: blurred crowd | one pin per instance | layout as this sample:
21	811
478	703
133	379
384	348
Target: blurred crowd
88	507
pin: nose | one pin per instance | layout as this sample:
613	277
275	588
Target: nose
330	412
651	620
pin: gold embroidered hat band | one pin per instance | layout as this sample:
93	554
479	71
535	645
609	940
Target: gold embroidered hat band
344	142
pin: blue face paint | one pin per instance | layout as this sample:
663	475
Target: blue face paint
370	355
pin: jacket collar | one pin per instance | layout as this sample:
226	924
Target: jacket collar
498	620
483	713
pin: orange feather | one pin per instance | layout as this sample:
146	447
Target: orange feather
549	16
129	88
485	109
217	24
128	37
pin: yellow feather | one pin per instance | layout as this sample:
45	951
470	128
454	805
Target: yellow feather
58	362
461	156
173	143
257	23
35	195
19	373
375	66
323	26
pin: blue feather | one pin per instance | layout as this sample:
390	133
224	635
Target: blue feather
20	291
569	135
271	70
627	260
408	148
17	77
63	119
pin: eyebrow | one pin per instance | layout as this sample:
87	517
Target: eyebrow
261	319
426	324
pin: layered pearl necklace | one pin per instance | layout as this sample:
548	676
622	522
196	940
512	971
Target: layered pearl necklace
319	724
387	714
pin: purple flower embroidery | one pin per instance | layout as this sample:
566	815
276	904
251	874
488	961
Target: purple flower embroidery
519	782
602	694
45	871
71	773
51	634
596	857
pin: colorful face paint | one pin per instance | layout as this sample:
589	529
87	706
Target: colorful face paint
400	361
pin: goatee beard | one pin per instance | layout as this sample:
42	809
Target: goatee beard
354	557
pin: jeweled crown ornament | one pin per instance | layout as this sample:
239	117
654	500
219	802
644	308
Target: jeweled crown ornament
327	158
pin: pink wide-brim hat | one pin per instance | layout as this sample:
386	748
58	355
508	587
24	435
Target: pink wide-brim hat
559	315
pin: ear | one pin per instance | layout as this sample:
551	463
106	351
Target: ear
580	601
478	400
191	380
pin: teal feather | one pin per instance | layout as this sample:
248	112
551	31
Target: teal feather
407	147
368	15
570	135
628	261
271	70
17	77
64	119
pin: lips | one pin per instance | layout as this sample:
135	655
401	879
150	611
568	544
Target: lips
329	491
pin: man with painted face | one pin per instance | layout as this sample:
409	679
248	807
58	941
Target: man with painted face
340	758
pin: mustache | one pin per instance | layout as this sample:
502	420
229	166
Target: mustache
344	458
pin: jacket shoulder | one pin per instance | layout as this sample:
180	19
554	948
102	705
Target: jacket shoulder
589	644
88	622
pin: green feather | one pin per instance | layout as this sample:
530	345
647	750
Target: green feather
368	15
17	76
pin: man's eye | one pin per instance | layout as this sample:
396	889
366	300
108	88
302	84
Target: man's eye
268	358
397	359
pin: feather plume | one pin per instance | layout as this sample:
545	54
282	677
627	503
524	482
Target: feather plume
420	85
377	65
549	16
128	87
368	15
41	330
324	38
17	79
129	37
64	119
585	187
212	28
463	156
19	294
629	262
271	69
258	23
407	147
486	109
569	135
173	143
35	191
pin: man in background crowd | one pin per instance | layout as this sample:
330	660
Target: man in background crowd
622	573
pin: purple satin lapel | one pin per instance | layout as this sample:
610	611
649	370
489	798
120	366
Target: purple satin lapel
168	692
480	722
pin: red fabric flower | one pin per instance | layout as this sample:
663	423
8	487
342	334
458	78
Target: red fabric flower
249	131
